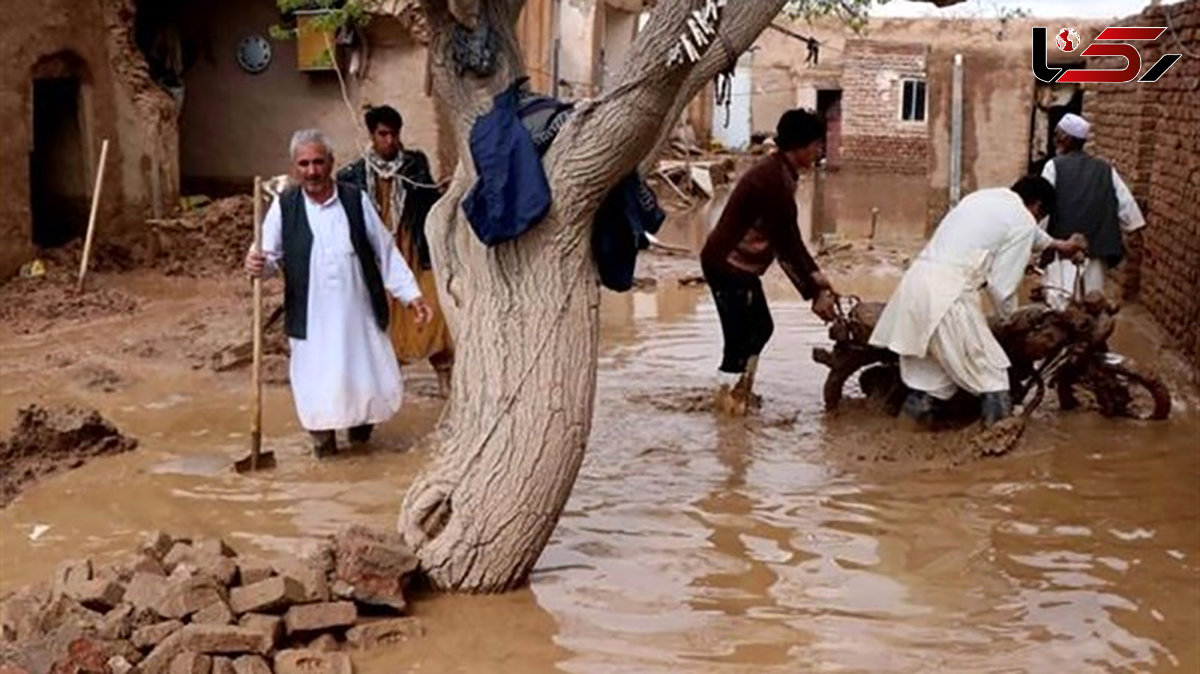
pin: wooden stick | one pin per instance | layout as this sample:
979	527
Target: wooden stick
256	376
91	230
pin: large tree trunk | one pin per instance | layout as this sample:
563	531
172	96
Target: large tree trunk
524	314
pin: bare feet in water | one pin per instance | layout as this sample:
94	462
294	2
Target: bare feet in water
735	401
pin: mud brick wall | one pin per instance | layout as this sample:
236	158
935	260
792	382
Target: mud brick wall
873	134
1151	134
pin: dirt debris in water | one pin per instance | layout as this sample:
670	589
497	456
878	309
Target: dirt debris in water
46	441
208	241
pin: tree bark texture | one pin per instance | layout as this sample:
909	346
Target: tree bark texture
525	314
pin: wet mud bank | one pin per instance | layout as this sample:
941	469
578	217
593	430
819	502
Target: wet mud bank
47	441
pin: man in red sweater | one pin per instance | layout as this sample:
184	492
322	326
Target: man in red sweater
757	227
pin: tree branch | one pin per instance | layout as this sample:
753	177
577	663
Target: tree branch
740	36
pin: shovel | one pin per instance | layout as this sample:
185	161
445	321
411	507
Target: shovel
257	460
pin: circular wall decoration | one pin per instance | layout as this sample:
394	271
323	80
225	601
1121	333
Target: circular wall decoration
254	53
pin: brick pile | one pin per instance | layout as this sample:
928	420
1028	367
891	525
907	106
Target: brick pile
873	136
192	606
1151	133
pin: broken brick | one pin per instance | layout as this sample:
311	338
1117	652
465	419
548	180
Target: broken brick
384	632
205	561
152	635
272	594
179	553
251	664
375	563
98	594
213	546
206	639
217	613
252	570
157	544
311	662
270	625
190	662
222	665
145	591
326	642
326	615
224	639
117	623
312	579
184	596
118	664
146	563
90	655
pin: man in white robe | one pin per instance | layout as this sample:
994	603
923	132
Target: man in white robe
935	320
1091	200
344	373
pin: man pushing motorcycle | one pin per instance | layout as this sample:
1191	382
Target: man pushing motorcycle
935	321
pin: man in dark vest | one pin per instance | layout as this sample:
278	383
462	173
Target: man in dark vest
1092	201
400	184
339	265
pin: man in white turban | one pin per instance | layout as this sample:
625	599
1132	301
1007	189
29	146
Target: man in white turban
1093	201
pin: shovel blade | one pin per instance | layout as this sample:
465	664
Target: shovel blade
266	460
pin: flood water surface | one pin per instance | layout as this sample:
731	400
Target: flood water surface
694	543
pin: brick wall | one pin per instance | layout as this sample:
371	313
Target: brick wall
1151	134
873	134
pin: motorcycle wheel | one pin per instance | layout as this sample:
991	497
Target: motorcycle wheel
1126	390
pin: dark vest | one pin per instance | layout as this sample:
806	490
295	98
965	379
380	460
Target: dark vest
297	254
1087	205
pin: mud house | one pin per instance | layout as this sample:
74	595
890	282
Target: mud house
194	97
72	76
243	92
1151	132
198	97
887	94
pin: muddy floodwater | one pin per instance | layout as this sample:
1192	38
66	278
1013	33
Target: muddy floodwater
691	543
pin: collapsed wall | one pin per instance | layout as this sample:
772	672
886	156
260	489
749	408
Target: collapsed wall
1151	133
78	65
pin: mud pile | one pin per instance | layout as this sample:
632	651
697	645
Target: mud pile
47	441
205	242
194	605
31	305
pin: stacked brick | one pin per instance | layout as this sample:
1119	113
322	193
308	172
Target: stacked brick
874	136
1151	133
193	606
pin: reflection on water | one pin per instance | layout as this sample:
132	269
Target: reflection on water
696	544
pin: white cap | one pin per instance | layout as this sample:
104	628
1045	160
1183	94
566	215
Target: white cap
1075	126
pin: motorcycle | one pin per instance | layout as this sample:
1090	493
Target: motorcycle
1066	350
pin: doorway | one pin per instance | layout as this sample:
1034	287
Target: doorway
829	107
57	163
1050	103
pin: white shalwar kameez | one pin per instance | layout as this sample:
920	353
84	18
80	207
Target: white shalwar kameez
935	319
1061	274
345	373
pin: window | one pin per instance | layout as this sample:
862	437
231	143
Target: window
912	104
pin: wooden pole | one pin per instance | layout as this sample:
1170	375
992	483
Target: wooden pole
91	230
256	376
